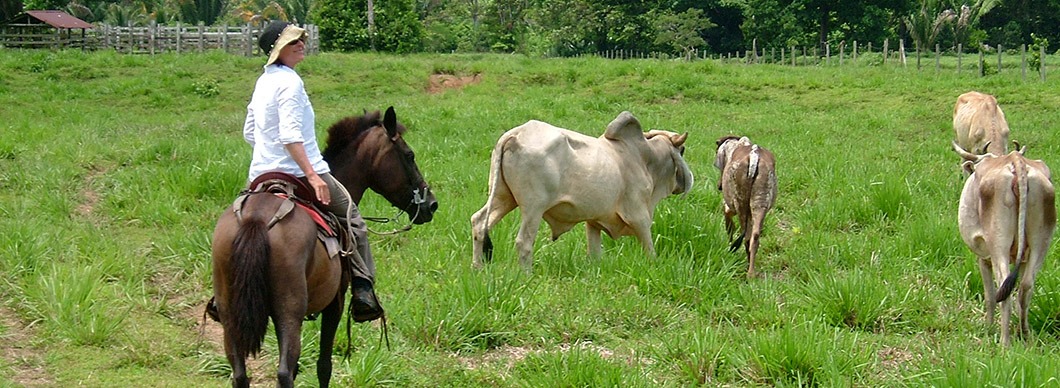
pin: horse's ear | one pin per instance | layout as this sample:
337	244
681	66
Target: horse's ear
390	122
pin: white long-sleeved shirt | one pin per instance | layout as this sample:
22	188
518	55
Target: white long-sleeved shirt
280	113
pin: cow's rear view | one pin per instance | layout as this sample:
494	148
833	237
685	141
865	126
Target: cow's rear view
1006	216
748	185
611	182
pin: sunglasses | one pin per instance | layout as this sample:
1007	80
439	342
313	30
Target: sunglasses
296	41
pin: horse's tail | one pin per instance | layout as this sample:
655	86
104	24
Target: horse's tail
250	287
1020	189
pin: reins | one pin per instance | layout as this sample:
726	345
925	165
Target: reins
417	199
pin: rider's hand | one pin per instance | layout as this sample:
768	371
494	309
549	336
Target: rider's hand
320	188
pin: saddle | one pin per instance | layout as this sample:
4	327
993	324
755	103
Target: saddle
298	194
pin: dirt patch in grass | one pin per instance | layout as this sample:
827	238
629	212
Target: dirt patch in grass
442	82
262	369
18	353
89	197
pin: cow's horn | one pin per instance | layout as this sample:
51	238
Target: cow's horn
1018	147
679	140
965	154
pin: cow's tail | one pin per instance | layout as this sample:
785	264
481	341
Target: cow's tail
496	158
1020	177
752	174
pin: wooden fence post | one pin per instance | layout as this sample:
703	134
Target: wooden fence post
885	42
959	47
828	54
855	58
180	34
999	51
980	62
1023	61
202	36
901	54
793	56
938	57
224	37
1041	63
842	47
152	32
131	37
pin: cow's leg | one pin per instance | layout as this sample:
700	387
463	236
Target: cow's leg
643	232
1001	270
501	205
524	242
1026	289
592	235
989	290
729	225
757	219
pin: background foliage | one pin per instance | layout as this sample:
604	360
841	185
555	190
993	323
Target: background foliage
573	27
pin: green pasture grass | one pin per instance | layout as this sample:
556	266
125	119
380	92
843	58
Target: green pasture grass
114	169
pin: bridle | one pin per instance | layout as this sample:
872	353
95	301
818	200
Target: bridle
417	200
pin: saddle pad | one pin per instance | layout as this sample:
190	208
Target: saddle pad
317	218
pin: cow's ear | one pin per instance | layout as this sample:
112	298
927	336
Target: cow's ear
968	166
624	127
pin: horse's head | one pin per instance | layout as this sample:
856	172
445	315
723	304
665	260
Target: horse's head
366	152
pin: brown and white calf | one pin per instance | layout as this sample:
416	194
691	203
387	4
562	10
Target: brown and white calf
1007	216
748	185
979	124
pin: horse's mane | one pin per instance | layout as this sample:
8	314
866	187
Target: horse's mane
346	131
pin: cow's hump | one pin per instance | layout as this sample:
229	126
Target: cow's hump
625	127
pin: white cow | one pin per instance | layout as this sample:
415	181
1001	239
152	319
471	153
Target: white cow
980	124
612	183
1007	215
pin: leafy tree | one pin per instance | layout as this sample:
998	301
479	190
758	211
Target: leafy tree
44	4
344	25
682	30
968	18
924	25
10	9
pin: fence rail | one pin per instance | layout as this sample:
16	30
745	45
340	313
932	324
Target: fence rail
981	63
151	39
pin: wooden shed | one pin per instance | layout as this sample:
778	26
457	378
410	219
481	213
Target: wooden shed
39	29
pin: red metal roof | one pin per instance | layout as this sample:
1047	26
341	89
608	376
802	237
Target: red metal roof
59	19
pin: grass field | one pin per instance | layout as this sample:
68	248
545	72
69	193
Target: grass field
114	169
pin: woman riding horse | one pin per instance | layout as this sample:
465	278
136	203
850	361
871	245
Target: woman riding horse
280	127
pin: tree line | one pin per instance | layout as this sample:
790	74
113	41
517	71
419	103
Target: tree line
575	27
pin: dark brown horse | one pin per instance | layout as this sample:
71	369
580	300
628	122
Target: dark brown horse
284	272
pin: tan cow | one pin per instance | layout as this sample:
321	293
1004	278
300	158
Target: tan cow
980	124
748	185
1007	215
612	183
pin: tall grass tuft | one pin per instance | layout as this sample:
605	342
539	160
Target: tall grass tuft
475	310
806	354
577	366
855	300
994	368
702	357
73	303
